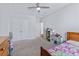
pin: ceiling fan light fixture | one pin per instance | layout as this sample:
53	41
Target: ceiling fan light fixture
38	8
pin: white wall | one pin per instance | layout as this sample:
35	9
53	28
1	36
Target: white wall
4	21
17	19
65	20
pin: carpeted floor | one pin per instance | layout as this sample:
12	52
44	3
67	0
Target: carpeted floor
27	47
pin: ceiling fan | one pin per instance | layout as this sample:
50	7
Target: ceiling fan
38	7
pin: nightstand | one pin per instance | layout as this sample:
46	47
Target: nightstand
44	52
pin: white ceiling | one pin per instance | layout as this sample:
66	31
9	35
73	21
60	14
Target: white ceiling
21	8
54	7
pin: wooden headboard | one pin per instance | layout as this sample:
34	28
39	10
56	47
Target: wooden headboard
73	36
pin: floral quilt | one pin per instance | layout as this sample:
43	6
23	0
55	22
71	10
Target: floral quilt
65	49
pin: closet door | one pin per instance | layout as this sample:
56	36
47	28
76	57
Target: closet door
15	29
30	28
19	28
23	29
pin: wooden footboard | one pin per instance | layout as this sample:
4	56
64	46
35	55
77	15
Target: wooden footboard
44	52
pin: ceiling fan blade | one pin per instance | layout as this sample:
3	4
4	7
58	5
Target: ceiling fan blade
32	7
44	7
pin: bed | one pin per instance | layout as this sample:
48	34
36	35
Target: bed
68	48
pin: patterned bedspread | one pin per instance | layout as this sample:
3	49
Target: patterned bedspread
65	49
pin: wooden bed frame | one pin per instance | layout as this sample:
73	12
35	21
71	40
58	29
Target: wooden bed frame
73	36
70	36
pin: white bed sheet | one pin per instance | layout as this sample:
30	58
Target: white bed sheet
73	42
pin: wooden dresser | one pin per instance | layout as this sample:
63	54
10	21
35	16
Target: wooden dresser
4	46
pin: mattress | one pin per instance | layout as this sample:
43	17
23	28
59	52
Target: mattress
68	48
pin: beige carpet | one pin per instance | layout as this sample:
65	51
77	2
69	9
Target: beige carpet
27	47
